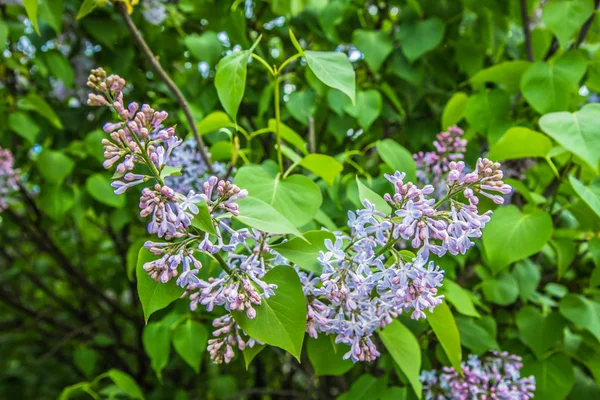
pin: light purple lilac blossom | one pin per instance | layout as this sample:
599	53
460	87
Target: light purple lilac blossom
194	171
140	148
9	177
366	283
493	377
433	165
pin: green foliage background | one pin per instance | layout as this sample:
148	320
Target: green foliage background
521	78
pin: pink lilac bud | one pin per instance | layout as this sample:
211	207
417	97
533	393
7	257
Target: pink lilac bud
229	336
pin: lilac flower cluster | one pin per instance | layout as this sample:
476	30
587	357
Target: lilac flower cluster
366	281
432	165
194	170
140	148
9	177
494	377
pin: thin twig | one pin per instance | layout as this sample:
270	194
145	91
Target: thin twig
155	64
526	30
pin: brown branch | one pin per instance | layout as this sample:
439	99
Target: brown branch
162	74
526	30
587	25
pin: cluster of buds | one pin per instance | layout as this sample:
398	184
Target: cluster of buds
229	336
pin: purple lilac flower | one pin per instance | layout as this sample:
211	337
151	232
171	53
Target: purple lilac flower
432	165
493	377
228	336
194	170
9	177
139	142
363	287
154	11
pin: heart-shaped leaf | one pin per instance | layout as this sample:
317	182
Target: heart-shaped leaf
577	132
397	158
257	214
281	319
296	197
420	38
375	45
507	73
367	108
582	312
153	295
565	17
333	69
590	194
189	340
547	87
324	166
304	253
540	333
157	344
512	236
554	377
519	142
326	356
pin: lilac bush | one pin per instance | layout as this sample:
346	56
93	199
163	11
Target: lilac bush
492	377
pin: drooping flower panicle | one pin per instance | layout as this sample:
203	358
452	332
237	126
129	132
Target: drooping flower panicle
9	177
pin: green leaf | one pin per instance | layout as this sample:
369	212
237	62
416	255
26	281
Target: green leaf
367	108
87	7
304	253
590	194
23	125
203	220
98	186
421	37
251	352
375	45
519	143
132	257
502	289
54	166
397	158
366	387
547	87
74	389
326	357
31	8
554	377
281	319
577	132
333	69
230	81
4	33
582	312
85	360
507	74
405	351
301	105
476	335
395	392
566	250
60	68
189	341
512	236
153	295
213	122
156	339
289	135
455	109
125	383
56	200
33	102
324	166
365	193
444	326
206	47
540	333
296	197
528	275
460	298
487	109
260	215
565	17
